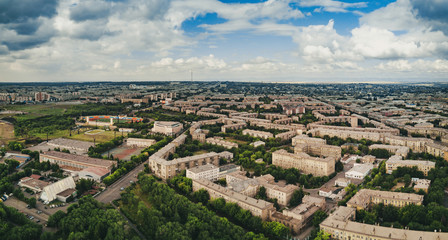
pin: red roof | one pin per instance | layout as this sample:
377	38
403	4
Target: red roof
35	176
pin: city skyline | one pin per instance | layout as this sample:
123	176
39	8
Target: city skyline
271	41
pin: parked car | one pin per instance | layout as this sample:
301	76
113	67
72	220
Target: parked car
122	188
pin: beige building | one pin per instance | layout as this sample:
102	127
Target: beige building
257	207
221	142
300	217
304	162
260	134
238	182
208	171
365	197
305	139
396	161
71	162
318	150
394	149
166	169
167	128
341	225
140	142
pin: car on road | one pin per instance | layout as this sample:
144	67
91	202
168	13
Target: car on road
38	212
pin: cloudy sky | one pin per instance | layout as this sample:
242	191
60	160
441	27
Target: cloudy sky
252	40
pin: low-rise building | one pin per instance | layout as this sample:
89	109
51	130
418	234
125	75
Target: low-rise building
260	134
221	142
422	184
396	161
33	184
341	226
94	173
359	171
257	207
140	142
342	182
72	162
394	149
58	189
365	197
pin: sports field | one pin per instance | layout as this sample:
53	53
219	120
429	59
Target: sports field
124	152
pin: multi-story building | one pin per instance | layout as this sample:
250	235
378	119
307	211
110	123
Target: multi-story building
365	197
260	134
300	217
396	161
221	142
208	171
166	169
341	225
304	162
257	207
320	150
394	149
167	128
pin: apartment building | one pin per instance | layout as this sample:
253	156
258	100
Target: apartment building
221	142
365	197
341	225
167	128
208	171
320	150
304	162
260	134
396	161
394	149
257	207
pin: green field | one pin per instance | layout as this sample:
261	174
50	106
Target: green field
99	138
38	109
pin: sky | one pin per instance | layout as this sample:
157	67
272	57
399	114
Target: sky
223	40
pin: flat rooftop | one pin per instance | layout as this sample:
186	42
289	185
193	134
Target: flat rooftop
78	158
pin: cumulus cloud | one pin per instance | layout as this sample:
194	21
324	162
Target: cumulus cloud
331	6
134	39
24	24
435	12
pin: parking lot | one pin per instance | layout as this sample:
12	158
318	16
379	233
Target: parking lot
41	217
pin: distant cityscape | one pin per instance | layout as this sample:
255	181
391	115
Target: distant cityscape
298	161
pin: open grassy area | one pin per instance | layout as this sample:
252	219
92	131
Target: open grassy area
100	137
235	140
34	110
6	130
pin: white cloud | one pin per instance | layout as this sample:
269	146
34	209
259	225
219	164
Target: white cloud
331	6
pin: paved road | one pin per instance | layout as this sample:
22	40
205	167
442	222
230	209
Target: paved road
113	191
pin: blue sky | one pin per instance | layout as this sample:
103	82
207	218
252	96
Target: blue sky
274	40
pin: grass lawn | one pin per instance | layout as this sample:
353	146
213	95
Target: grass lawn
56	134
94	132
39	109
235	140
100	137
